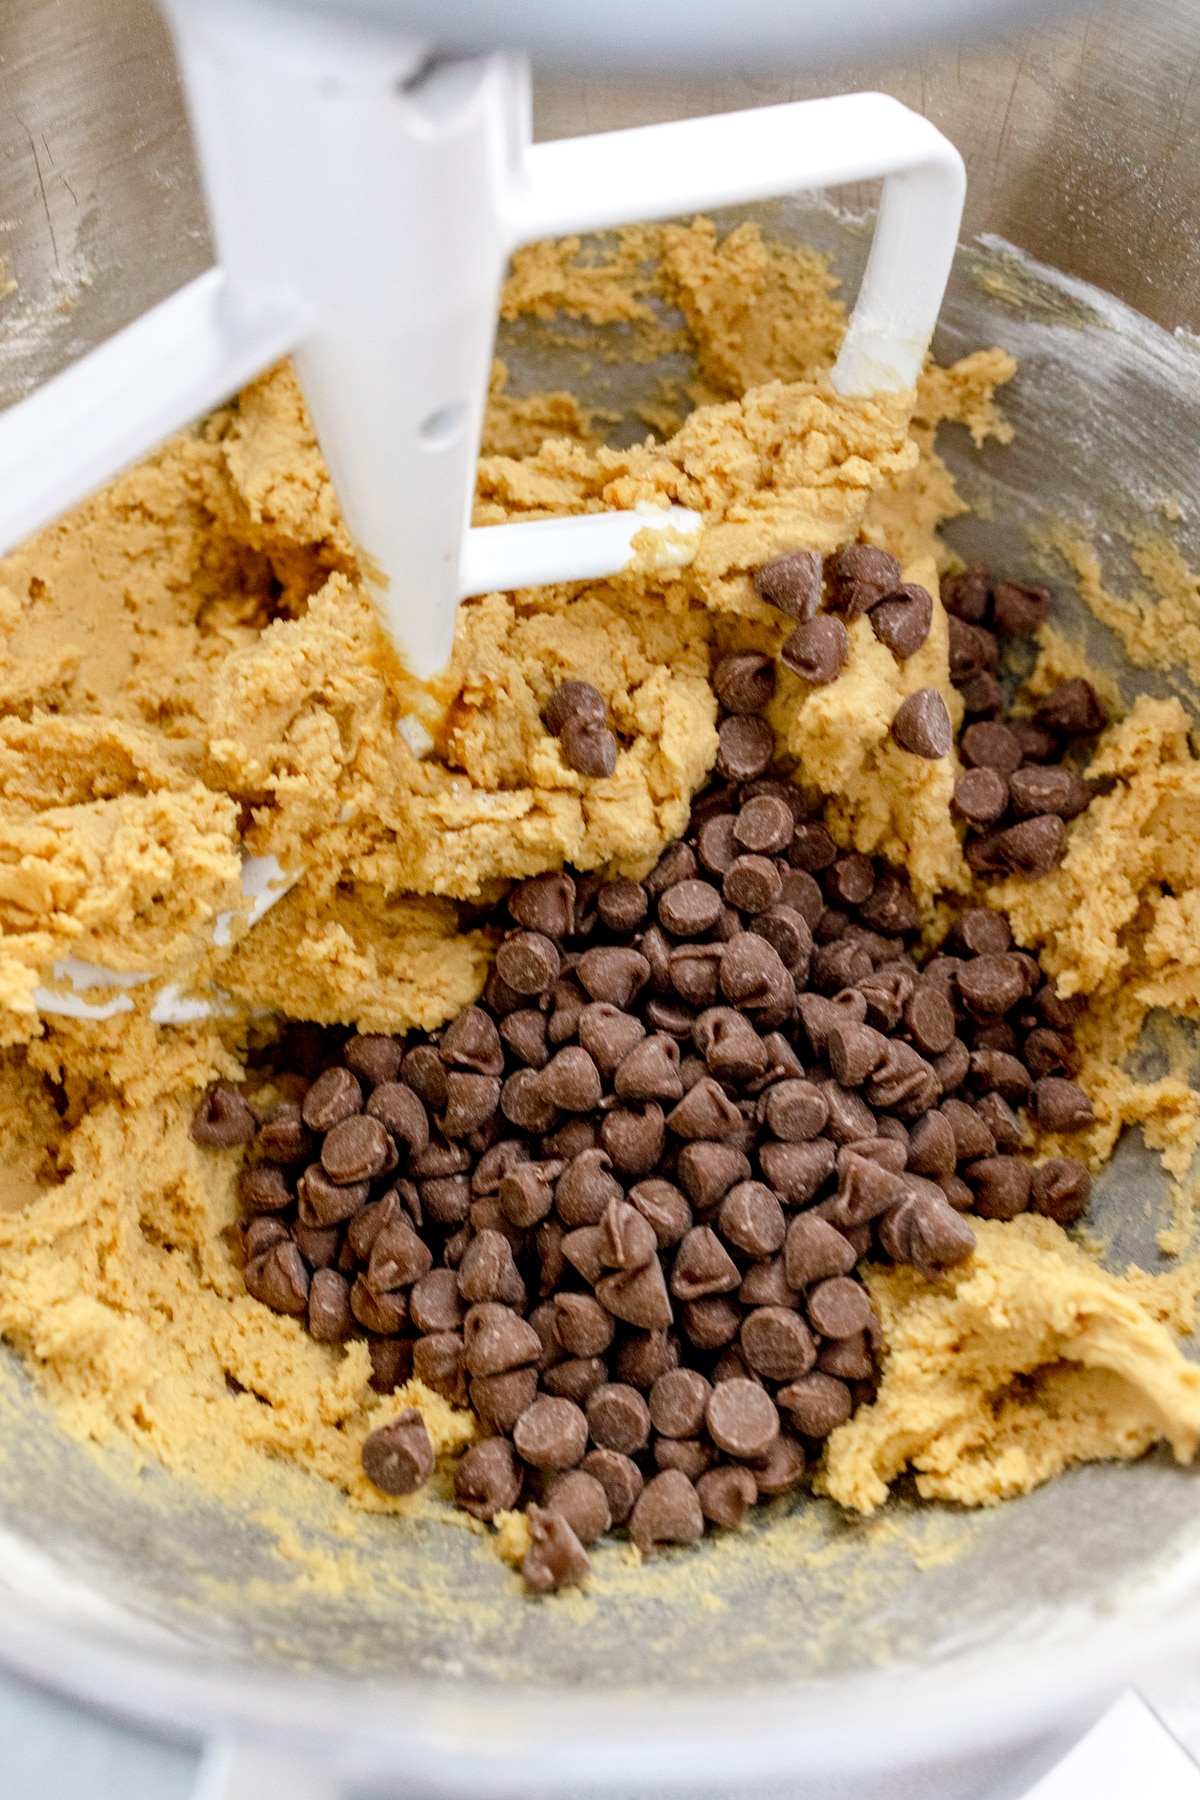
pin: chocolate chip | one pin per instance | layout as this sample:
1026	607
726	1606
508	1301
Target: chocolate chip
627	1240
425	1073
982	696
1073	709
551	1434
777	1344
792	583
589	747
922	725
990	745
613	974
573	700
435	1304
667	1512
1000	1077
555	1557
925	1230
854	1052
702	1266
795	1110
816	1403
971	1135
622	905
438	1362
904	1083
966	594
333	1096
973	651
732	1049
398	1458
744	681
1001	1120
1058	790
618	1418
991	984
751	1219
324	1202
581	1500
838	1307
689	908
500	1400
1062	1105
575	1379
764	826
398	1258
981	796
902	620
400	1112
726	1494
932	1149
1001	1185
571	1081
330	1319
711	1323
858	577
797	1172
488	1479
495	1339
746	745
665	1210
1047	1052
930	1018
1061	1189
650	1071
715	843
1018	609
634	1136
677	1403
752	883
850	881
262	1188
817	650
545	903
391	1363
1033	847
812	848
781	1467
815	1251
707	1170
284	1137
223	1119
751	975
704	1112
528	962
742	1419
637	1296
358	1149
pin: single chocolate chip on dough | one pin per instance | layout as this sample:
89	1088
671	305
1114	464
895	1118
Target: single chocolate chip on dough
744	681
902	620
398	1458
792	583
746	745
1037	790
922	725
573	700
1033	847
589	748
223	1119
860	576
1061	1189
817	650
1062	1105
966	594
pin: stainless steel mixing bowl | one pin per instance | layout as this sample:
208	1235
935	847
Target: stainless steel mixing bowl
812	1653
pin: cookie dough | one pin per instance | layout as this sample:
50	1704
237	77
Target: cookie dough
1025	1359
189	666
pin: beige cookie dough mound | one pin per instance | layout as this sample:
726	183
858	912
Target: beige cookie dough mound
118	1288
1026	1359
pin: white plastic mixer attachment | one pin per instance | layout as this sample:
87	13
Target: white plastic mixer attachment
364	199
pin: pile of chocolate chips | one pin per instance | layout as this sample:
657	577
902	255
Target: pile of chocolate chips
618	1205
1016	793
